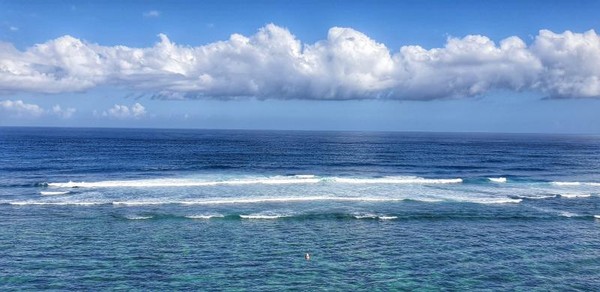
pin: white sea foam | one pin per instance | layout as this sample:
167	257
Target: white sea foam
144	203
262	200
365	216
138	217
262	216
568	214
374	216
497	179
491	200
597	216
205	216
395	180
255	200
575	196
575	183
27	203
273	180
153	183
45	193
539	197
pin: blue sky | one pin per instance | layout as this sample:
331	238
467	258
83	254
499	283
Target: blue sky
491	66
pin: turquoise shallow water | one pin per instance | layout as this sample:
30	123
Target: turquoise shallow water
109	209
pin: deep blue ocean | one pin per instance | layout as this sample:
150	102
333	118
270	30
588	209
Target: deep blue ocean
140	209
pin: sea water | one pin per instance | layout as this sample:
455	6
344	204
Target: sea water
104	209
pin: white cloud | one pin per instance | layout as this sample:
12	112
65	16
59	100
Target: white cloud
63	113
13	28
348	64
19	109
571	63
118	111
152	13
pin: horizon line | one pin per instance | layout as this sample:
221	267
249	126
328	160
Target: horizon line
309	130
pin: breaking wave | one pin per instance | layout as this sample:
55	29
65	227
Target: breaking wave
497	179
47	193
575	183
263	216
272	180
204	216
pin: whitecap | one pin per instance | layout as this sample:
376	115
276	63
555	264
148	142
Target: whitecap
46	193
204	216
365	216
575	196
27	203
271	180
189	182
497	179
575	183
262	216
568	214
396	180
138	217
491	200
540	197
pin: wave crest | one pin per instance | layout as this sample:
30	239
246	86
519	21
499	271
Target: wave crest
272	180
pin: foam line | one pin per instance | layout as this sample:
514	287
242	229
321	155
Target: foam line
204	216
574	183
44	193
396	180
575	196
262	216
221	201
28	203
273	180
497	179
138	217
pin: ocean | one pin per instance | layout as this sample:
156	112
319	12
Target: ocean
148	209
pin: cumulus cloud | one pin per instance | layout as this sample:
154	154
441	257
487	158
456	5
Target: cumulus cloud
63	113
119	111
347	64
20	109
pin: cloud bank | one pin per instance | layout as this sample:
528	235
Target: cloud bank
274	64
123	112
20	109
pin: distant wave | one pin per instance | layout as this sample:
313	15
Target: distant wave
497	179
537	197
568	214
138	217
597	216
263	216
204	216
574	183
395	180
67	203
574	196
374	216
223	201
273	180
488	200
44	193
257	200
